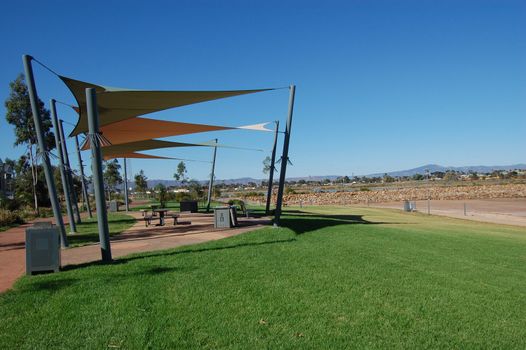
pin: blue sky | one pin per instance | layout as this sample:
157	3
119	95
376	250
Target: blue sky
381	85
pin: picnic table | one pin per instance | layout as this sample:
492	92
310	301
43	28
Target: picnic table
162	212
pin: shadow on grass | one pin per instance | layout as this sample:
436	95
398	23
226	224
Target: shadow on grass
303	222
47	285
125	260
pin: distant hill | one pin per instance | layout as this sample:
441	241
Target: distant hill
409	172
434	167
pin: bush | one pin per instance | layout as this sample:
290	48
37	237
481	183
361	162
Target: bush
254	194
290	190
9	204
236	202
8	218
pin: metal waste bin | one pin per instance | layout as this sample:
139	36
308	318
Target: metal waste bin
114	206
42	248
190	206
407	206
222	217
233	215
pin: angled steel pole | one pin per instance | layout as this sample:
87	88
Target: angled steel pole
96	168
211	183
272	169
284	157
126	187
33	97
83	179
63	175
73	194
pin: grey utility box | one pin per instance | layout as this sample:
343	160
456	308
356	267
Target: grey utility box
222	217
407	206
42	248
114	206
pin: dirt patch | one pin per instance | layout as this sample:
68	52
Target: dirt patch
400	194
508	211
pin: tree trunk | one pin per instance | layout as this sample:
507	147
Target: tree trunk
34	176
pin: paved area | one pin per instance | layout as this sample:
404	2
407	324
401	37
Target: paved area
134	240
510	211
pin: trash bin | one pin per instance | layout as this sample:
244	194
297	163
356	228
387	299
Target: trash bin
114	206
190	206
42	248
407	206
233	215
222	217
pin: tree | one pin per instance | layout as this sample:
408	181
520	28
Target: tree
473	176
112	176
19	114
141	182
388	178
24	181
450	176
418	177
160	189
180	174
266	165
196	190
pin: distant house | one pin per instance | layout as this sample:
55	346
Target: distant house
6	180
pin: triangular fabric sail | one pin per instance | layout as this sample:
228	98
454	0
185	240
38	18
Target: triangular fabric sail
138	129
135	155
116	104
111	151
143	146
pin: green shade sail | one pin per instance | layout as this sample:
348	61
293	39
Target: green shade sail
116	104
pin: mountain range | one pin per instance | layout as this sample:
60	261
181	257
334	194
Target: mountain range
408	172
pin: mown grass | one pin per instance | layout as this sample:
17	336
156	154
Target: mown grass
330	278
87	231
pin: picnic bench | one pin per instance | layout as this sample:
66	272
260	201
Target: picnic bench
163	213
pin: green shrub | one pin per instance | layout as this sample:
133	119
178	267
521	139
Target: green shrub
9	204
290	190
236	202
9	218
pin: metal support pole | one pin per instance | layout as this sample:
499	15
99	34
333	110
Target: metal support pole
272	169
284	157
73	194
96	168
33	97
83	179
126	187
63	175
211	183
429	206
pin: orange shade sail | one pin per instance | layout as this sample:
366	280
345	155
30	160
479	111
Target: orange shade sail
139	129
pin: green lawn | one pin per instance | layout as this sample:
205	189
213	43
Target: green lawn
337	278
87	231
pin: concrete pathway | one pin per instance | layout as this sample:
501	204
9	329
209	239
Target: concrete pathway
136	239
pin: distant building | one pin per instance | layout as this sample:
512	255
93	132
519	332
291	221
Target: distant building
6	180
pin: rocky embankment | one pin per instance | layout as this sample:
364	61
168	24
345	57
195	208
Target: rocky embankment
400	194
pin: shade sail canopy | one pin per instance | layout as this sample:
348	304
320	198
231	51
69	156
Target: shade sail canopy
138	129
115	151
116	104
135	155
